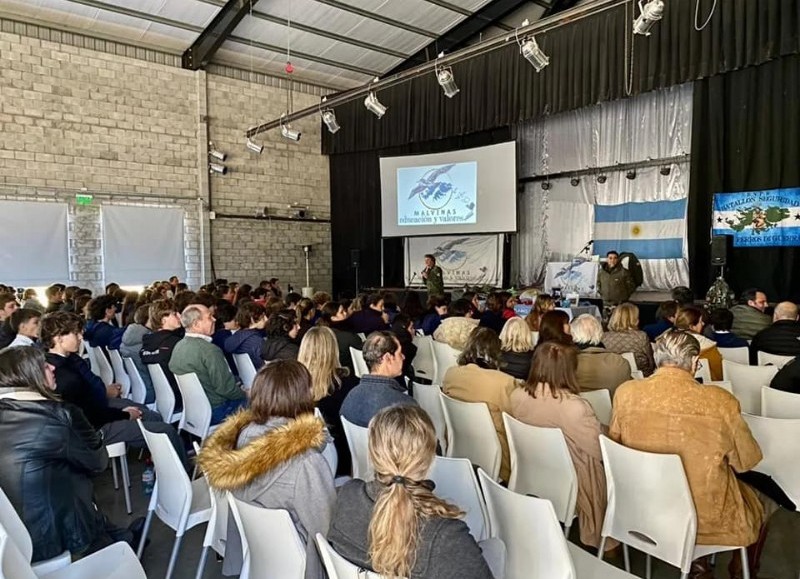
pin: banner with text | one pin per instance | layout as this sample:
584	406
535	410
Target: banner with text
759	218
464	259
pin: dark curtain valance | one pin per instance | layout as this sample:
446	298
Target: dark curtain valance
587	66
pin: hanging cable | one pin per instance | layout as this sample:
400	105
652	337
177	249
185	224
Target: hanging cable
697	15
629	54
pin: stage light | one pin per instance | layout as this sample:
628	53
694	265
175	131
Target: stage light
533	54
217	154
444	76
574	181
288	132
254	147
602	178
649	14
374	105
329	118
631	174
217	168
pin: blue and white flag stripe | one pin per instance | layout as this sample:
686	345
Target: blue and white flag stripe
634	212
643	249
650	230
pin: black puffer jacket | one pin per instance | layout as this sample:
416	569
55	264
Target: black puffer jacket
49	451
781	338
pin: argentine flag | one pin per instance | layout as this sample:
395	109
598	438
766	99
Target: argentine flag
650	230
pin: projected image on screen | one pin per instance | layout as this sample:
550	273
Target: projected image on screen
437	194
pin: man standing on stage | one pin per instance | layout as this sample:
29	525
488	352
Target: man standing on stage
614	283
432	276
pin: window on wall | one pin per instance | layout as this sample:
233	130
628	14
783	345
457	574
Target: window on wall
34	250
142	244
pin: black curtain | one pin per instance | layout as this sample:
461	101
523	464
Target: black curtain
746	137
356	211
587	66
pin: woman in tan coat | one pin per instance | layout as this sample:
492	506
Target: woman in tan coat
551	399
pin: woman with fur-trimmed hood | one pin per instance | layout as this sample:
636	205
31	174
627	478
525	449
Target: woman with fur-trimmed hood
270	455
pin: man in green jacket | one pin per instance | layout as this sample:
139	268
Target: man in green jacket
748	316
614	283
195	353
432	276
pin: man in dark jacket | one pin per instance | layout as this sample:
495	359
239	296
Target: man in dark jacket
372	318
157	346
614	283
782	337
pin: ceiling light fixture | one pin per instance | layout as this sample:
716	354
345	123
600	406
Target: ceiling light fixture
288	132
329	118
649	14
531	51
446	80
374	106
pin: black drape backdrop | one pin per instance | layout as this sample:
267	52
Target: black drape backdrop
746	137
356	210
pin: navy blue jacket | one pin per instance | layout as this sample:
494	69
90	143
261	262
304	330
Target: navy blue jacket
103	334
373	394
247	342
728	340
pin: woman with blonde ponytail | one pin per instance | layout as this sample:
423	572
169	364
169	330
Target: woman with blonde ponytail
395	525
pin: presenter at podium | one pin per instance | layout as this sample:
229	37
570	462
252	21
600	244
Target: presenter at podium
432	276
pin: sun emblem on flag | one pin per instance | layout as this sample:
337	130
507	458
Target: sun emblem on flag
636	230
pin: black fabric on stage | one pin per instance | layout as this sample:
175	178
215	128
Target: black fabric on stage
746	137
587	66
356	210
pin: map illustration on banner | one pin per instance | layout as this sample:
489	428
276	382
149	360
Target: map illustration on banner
759	218
437	195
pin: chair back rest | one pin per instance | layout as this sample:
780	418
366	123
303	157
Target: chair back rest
16	529
100	364
601	404
774	436
424	362
650	505
774	359
779	404
740	355
535	545
165	397
13	564
471	433
746	382
196	417
173	489
362	335
703	371
138	390
359	365
337	566
456	483
120	374
724	384
357	441
446	357
631	359
270	544
246	368
428	396
542	466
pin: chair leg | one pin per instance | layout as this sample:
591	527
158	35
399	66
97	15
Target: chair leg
202	564
174	557
649	567
745	564
566	531
627	557
126	482
114	472
146	530
601	549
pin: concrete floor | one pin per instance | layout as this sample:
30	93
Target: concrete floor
781	559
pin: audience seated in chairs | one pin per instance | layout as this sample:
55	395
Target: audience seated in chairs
195	353
721	324
554	327
49	456
270	455
457	326
99	331
542	304
597	367
516	343
330	385
711	438
24	322
690	320
395	525
437	309
370	318
282	329
477	378
782	337
131	346
334	315
492	316
665	320
157	347
624	335
251	318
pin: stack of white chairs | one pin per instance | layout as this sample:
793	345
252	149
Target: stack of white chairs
746	382
471	434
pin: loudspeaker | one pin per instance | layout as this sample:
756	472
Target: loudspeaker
719	249
355	258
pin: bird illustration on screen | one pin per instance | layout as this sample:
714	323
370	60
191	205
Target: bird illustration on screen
429	184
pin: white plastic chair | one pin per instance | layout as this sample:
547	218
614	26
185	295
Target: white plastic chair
18	532
362	335
746	382
271	546
120	375
779	404
359	365
165	397
650	508
424	362
740	355
535	547
180	503
601	404
116	561
100	364
138	389
446	357
542	466
703	372
428	396
780	361
534	338
196	416
357	441
217	530
337	566
778	438
471	434
119	451
631	361
724	384
456	483
247	370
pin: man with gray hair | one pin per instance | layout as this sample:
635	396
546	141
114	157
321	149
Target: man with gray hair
597	367
782	337
195	353
379	388
671	413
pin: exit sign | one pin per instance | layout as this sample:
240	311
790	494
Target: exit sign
83	199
